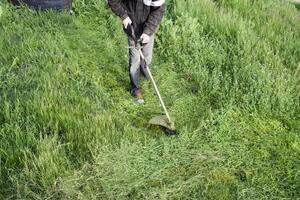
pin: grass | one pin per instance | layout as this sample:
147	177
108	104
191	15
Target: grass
228	71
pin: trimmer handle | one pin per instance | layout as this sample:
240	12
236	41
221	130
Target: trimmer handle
131	33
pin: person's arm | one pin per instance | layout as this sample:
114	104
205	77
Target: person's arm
154	19
117	8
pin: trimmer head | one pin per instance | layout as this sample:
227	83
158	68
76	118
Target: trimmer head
164	122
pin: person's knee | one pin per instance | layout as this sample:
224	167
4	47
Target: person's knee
134	67
135	63
148	52
148	59
134	60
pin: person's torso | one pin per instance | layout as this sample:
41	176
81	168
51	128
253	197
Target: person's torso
137	10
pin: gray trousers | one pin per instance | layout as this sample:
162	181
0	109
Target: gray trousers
135	64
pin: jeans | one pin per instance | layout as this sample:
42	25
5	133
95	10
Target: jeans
135	64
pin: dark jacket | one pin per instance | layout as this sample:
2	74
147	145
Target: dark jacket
145	14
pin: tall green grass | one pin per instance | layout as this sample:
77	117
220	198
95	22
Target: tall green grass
228	71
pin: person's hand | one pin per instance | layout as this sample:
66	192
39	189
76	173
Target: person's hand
145	38
126	22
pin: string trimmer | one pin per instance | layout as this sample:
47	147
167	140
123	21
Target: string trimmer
161	120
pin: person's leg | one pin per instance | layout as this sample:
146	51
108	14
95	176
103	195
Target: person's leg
148	52
134	67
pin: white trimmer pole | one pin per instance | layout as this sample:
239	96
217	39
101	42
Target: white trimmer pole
156	88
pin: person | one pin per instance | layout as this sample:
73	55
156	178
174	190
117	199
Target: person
144	16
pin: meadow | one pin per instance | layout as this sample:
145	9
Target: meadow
228	70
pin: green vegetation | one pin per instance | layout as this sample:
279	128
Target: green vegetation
228	70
